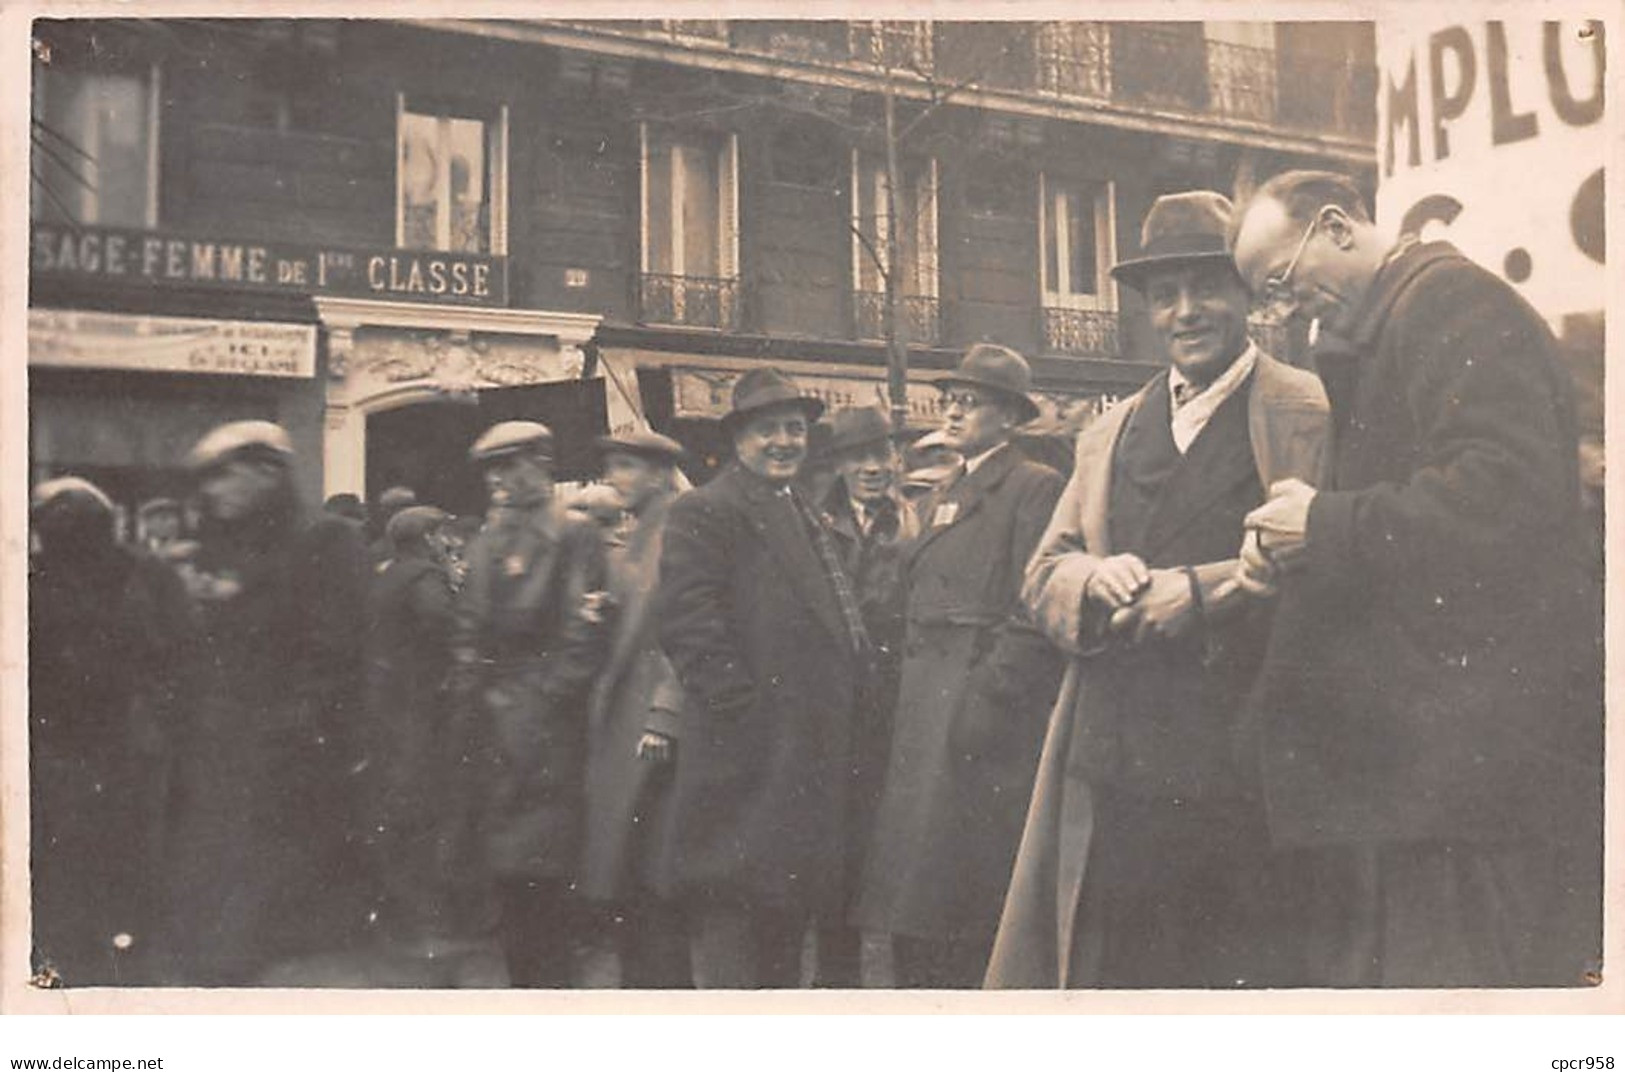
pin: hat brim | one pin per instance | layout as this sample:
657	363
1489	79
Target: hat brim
1028	407
812	407
610	445
1132	272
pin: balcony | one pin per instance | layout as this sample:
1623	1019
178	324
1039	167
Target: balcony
917	315
689	301
903	46
1081	332
1075	60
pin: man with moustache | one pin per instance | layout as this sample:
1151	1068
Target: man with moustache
1422	743
977	680
1145	861
762	625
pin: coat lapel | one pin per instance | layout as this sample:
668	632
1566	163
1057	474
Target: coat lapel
966	496
1211	469
774	519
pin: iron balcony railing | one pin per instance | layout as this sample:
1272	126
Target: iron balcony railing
689	301
1082	332
919	317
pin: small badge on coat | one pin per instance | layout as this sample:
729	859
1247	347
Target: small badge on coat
514	565
946	512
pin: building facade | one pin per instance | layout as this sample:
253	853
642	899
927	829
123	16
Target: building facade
386	234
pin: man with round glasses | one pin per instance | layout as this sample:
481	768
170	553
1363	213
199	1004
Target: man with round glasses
977	679
1420	739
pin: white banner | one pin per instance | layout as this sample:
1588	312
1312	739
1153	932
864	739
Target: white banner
1490	135
85	339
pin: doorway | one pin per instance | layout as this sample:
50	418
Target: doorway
424	446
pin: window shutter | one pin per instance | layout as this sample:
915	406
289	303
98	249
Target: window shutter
1046	285
925	202
643	198
728	209
498	192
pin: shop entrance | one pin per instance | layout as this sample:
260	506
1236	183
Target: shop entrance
424	446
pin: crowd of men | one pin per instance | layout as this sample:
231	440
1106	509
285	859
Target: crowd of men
1292	681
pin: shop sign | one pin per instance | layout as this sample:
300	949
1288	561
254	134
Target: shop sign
146	258
86	339
708	393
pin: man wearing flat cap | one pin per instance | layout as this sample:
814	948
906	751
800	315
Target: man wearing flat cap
434	902
764	629
266	866
529	637
1145	861
976	682
633	729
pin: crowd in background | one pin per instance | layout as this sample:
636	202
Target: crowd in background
1292	680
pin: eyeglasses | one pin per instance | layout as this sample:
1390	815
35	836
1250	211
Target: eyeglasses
1278	296
965	400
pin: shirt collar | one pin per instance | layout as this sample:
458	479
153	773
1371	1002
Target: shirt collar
973	464
1225	383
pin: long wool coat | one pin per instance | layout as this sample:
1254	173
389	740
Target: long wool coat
1287	425
265	862
977	682
1417	686
531	622
637	692
753	627
418	790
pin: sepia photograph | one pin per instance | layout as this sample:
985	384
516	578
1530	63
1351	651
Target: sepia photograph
975	504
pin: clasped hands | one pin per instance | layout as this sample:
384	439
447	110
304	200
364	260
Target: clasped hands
1143	602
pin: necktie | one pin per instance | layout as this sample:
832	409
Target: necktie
838	579
1184	392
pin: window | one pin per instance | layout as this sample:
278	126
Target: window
690	256
95	159
916	277
451	178
1075	224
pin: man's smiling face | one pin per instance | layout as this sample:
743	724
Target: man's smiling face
1199	316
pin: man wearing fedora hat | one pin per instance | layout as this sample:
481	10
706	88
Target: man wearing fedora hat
633	725
1145	860
764	630
871	524
528	639
976	681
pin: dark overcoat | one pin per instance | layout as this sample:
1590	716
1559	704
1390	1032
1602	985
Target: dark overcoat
636	693
531	625
1416	685
978	680
265	862
106	626
754	629
874	562
418	791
